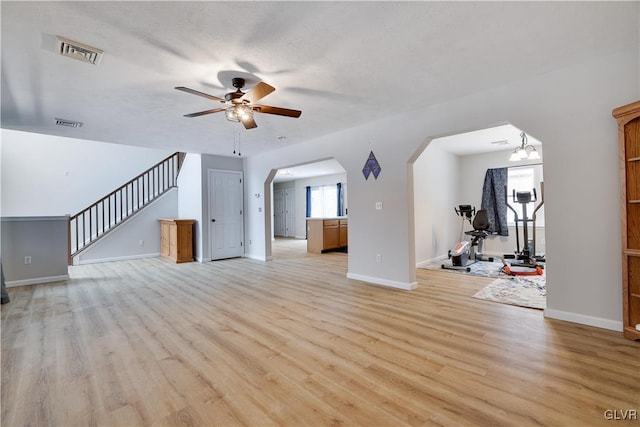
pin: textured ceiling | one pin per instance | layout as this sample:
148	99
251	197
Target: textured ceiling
341	63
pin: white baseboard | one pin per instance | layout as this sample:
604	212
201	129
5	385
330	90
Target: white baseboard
36	281
429	261
383	282
258	257
120	258
583	319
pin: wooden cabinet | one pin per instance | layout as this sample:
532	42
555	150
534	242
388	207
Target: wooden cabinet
628	118
326	234
176	239
343	238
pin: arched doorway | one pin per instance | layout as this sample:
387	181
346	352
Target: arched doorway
449	171
296	192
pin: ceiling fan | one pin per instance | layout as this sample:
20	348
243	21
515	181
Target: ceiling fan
240	106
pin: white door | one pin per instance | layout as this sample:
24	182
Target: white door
226	230
290	213
278	213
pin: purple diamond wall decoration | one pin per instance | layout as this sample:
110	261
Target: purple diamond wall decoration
371	166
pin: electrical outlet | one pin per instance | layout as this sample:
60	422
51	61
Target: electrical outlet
27	260
140	242
378	257
378	206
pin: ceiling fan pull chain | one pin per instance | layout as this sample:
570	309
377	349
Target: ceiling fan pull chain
234	141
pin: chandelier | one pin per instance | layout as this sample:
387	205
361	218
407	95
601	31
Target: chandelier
524	151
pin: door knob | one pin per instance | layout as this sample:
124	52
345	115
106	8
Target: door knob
213	220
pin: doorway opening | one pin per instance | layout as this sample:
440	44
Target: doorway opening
301	192
450	172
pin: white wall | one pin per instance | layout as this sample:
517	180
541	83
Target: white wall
568	109
138	237
436	177
45	175
190	197
193	200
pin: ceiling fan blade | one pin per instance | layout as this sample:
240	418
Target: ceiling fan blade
202	113
249	123
258	92
276	110
195	92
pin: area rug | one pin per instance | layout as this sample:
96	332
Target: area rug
530	291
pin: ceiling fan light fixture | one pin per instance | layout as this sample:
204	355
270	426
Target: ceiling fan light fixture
231	114
244	112
240	106
238	113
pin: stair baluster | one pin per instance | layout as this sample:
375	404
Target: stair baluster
95	221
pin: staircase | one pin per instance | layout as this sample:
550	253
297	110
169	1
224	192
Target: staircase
96	221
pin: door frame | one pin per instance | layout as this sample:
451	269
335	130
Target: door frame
210	208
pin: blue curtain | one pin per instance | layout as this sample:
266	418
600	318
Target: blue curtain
308	202
340	200
494	200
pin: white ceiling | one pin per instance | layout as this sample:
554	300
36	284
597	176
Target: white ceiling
324	167
498	138
341	63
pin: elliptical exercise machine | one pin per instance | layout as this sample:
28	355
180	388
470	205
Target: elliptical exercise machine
527	262
464	253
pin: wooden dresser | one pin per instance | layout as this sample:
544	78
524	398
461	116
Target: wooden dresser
628	117
325	234
176	239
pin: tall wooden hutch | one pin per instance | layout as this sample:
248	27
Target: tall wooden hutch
628	117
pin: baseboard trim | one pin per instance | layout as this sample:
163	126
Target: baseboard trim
583	319
120	258
258	257
36	281
383	282
430	261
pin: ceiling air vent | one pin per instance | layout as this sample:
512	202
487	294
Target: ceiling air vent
68	123
79	51
501	142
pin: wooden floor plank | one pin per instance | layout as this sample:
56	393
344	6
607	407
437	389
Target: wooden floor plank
294	342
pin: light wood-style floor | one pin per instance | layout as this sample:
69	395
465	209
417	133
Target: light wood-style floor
293	342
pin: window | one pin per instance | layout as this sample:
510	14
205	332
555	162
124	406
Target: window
324	201
525	179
